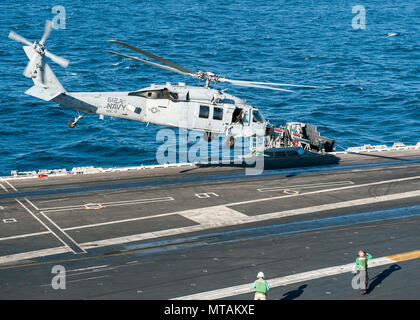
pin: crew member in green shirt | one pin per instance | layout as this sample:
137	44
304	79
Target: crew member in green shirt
261	287
361	267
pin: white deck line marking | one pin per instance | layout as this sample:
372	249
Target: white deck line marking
119	221
88	268
10	185
70	238
92	278
235	219
218	207
4	188
205	195
53	200
45	226
25	235
338	205
77	280
326	190
34	206
305	186
241	219
108	204
33	254
214	216
141	200
177	231
283	281
48	228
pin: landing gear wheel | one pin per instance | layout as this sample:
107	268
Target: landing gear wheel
71	124
230	142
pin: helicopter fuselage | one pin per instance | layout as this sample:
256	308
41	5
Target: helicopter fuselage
188	107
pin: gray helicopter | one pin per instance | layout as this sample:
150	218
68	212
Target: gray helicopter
201	108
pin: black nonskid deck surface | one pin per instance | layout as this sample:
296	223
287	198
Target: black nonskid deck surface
173	232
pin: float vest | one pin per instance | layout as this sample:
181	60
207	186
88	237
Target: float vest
362	263
260	286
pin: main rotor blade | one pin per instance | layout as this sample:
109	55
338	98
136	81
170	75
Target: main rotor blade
257	86
14	36
149	62
155	57
59	60
275	84
47	31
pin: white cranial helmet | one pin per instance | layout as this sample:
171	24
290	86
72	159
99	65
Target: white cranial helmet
260	275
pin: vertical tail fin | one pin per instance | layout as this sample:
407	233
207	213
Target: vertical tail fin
46	85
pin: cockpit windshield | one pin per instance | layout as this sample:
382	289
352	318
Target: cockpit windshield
257	116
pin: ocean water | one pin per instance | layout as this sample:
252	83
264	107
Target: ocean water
374	71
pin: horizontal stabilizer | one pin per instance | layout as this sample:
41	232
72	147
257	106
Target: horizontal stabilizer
46	94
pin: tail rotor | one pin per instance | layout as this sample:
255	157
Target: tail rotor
38	52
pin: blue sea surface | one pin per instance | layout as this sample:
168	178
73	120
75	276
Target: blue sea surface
375	71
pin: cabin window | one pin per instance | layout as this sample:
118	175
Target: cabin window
204	112
217	113
257	116
137	110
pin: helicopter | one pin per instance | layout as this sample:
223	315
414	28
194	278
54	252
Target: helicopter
200	108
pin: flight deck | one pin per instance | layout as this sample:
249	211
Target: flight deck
192	231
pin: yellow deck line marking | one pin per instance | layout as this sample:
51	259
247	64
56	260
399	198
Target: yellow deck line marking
410	255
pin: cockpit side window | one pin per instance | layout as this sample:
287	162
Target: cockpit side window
155	94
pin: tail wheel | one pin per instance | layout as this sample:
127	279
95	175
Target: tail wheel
229	141
71	124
